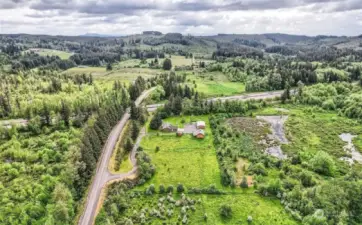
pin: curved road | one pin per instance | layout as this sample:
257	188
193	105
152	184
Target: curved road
103	176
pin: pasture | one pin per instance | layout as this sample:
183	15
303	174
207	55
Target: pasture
186	160
51	52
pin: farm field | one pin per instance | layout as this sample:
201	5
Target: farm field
214	84
173	162
125	75
51	52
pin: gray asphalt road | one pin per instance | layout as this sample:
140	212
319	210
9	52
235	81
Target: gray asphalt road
103	176
244	97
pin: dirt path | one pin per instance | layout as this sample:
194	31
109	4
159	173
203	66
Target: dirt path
103	176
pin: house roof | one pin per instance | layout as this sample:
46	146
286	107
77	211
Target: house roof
167	125
180	130
200	123
197	132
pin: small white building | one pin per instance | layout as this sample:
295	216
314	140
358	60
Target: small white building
200	125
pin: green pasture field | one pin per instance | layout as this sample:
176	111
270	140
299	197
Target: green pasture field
214	84
186	160
125	75
51	52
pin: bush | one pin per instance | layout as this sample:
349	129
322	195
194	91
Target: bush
244	183
162	189
180	188
170	189
225	212
167	64
323	163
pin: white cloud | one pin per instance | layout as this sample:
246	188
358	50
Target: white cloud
74	17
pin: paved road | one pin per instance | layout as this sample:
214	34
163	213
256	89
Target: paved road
243	97
103	176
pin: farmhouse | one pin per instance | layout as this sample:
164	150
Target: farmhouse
199	134
200	125
180	132
167	127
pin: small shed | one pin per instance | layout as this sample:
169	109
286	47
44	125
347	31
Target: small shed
167	127
180	132
200	125
199	134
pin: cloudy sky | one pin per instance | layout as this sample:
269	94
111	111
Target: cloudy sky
197	17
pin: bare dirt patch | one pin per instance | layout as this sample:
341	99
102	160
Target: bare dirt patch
277	127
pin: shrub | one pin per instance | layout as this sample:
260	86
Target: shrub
225	212
180	188
323	163
162	189
170	189
167	64
244	182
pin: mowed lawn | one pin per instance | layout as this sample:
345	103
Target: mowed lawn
186	160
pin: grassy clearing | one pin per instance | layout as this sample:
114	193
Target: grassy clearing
185	159
214	84
95	71
51	52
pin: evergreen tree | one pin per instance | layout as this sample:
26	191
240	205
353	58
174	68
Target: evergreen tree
135	112
65	113
128	146
167	64
135	130
46	114
177	105
109	67
244	182
156	122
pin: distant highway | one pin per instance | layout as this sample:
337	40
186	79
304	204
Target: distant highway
242	97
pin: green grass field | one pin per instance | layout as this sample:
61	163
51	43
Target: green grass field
125	75
51	52
186	160
214	84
